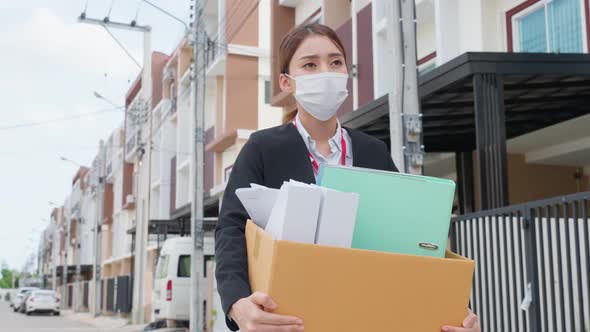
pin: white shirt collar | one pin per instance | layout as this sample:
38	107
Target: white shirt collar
335	141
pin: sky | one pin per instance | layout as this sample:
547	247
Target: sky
51	66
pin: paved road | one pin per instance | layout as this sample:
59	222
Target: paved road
12	321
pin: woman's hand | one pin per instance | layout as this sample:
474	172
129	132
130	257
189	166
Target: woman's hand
470	324
254	314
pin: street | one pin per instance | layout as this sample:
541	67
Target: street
17	322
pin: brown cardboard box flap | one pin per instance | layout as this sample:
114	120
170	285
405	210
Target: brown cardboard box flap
340	289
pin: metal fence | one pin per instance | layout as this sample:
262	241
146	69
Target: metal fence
532	264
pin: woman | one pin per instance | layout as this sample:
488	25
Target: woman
313	69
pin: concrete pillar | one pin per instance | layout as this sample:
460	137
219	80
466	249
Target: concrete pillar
447	31
459	28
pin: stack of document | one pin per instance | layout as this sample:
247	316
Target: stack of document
302	212
258	201
400	213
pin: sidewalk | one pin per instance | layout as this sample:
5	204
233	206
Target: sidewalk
102	322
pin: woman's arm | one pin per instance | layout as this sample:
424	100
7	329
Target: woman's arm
230	241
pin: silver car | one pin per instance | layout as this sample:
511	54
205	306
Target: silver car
17	300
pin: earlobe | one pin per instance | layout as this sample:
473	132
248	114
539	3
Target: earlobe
285	83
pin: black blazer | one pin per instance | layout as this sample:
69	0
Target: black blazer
269	158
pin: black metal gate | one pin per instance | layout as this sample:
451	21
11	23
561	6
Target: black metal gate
532	264
111	294
101	300
85	295
124	294
70	291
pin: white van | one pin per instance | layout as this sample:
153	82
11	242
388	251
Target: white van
172	282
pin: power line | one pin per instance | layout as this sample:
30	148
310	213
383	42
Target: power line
137	11
223	46
204	66
239	28
227	18
167	13
122	47
65	118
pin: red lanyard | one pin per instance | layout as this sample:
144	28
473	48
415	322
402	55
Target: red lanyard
314	163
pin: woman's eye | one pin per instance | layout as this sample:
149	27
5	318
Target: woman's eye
310	65
337	63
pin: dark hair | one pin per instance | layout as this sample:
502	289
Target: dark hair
291	42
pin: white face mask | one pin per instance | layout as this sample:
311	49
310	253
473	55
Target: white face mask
321	94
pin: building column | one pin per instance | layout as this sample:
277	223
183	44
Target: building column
465	177
460	27
490	132
446	13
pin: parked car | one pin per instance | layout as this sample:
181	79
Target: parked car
23	304
17	300
42	301
171	291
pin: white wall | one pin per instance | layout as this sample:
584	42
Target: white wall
88	210
305	8
210	103
360	4
264	25
167	148
229	156
184	147
466	26
268	116
426	38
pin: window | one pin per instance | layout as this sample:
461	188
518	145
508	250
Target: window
552	26
426	68
162	269
267	92
184	266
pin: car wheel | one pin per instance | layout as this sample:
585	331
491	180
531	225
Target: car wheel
56	313
29	313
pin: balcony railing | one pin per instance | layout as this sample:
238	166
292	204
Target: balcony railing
173	103
532	262
132	143
214	50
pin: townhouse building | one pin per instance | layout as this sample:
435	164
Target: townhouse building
503	86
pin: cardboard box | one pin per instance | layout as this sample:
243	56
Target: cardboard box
341	289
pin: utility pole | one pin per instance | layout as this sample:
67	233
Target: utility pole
404	107
198	85
64	275
141	226
79	221
54	232
78	248
97	229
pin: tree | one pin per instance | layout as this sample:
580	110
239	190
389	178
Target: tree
7	275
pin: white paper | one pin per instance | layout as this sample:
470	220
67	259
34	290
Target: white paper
302	212
295	214
337	218
258	202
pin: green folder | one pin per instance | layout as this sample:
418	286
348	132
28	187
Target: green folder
400	213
